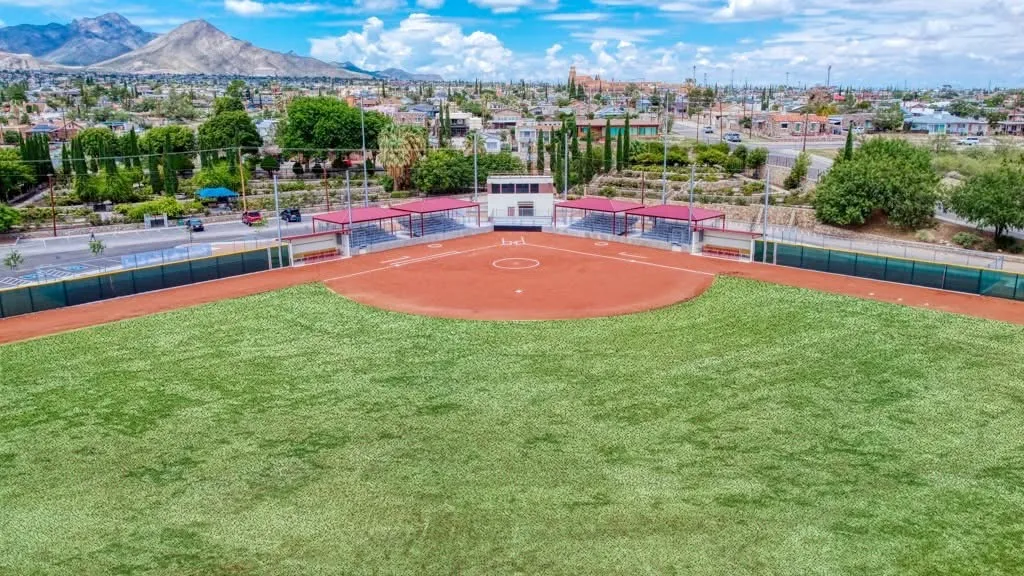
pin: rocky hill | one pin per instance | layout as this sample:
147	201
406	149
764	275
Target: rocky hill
197	47
83	42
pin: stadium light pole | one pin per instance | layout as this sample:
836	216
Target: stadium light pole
362	123
664	163
693	180
277	208
764	234
348	198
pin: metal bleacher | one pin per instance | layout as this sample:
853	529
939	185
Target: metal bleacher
669	231
603	223
370	234
436	224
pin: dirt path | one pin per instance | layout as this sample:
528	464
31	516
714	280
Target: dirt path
679	274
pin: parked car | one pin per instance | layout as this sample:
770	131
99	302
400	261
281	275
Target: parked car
195	224
709	130
969	141
251	217
733	137
291	215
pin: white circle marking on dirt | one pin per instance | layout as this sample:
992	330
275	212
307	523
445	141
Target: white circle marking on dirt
433	245
528	263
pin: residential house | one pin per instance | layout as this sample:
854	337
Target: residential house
267	129
1013	125
504	119
637	128
429	111
610	112
411	118
525	132
945	123
780	125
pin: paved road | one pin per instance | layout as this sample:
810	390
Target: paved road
780	154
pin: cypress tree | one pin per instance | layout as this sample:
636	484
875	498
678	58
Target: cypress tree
618	151
65	161
625	143
155	181
848	150
170	169
607	145
540	151
588	166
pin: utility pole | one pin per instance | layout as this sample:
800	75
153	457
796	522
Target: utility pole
764	234
327	194
53	206
348	200
693	181
805	130
241	176
828	78
664	165
366	184
277	208
476	184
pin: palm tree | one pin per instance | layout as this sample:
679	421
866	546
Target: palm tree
400	147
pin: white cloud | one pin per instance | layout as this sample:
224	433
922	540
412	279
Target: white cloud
256	8
420	43
753	9
868	42
575	17
510	6
602	33
429	4
244	7
377	5
157	22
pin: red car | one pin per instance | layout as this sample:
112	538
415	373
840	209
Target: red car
251	217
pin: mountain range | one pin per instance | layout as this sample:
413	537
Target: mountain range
83	42
112	43
391	74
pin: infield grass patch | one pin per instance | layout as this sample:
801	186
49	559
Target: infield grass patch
759	430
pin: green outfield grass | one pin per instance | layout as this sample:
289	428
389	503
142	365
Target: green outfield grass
757	430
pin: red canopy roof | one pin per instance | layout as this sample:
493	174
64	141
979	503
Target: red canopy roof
370	214
436	205
675	212
599	204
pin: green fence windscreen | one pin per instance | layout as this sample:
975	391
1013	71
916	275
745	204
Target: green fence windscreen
74	291
929	274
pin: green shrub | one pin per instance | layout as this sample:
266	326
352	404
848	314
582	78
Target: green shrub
925	236
966	239
400	195
166	205
607	192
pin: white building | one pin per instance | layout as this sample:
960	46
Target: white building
520	199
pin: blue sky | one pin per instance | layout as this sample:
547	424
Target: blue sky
867	42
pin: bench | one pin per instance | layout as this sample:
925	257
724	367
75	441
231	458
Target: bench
317	255
726	251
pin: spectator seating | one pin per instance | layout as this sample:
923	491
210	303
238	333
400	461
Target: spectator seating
602	223
432	224
671	231
369	234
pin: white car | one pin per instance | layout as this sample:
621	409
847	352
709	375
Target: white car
969	141
709	130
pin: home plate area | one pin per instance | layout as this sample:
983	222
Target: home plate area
516	279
